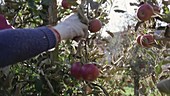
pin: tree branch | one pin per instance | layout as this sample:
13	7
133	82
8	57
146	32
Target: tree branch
48	82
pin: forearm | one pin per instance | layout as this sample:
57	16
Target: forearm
21	44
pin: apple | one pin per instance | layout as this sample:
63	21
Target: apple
4	23
95	25
145	12
147	40
65	4
138	39
76	70
89	72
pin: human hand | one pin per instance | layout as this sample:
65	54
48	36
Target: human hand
71	28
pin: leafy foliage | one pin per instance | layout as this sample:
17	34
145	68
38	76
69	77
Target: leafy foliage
48	74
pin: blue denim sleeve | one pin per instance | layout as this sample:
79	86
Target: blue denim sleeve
17	45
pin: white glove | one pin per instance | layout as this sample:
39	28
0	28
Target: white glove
71	27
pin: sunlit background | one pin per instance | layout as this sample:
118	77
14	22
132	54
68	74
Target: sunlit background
118	21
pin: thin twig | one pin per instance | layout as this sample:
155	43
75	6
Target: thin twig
48	82
162	39
104	90
120	58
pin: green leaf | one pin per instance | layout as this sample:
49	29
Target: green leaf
94	5
166	18
38	84
119	11
46	2
151	54
165	62
158	69
134	4
137	25
110	33
31	4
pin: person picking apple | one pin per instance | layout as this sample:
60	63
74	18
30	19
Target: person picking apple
17	45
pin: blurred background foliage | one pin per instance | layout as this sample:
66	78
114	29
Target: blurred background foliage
131	71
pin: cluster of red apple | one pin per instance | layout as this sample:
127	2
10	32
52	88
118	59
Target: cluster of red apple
146	11
87	72
94	24
146	40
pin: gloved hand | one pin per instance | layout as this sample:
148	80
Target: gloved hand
71	28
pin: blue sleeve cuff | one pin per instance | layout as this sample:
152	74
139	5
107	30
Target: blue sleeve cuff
50	36
21	44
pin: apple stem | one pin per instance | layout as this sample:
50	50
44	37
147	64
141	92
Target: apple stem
87	8
86	53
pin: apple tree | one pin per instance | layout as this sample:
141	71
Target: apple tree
49	72
151	34
80	66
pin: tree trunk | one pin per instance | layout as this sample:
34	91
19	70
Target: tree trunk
53	12
136	85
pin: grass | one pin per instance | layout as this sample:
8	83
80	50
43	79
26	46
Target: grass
129	91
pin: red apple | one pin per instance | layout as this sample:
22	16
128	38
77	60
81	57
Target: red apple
65	4
76	70
95	25
147	40
138	39
89	72
4	23
145	12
